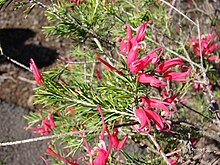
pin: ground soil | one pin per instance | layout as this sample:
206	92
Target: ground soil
21	38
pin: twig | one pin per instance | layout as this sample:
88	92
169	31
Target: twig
37	139
13	61
26	80
171	9
193	159
195	111
181	13
159	149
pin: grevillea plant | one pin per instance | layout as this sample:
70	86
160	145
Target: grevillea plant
128	96
125	91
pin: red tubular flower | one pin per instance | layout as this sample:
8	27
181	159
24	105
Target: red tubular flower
102	151
177	76
158	120
142	63
47	126
213	58
147	79
51	152
164	66
37	75
101	158
172	162
154	103
122	142
108	65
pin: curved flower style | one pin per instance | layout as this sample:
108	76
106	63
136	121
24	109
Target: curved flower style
164	66
125	46
141	33
37	75
108	65
145	115
51	152
140	64
177	76
154	103
147	79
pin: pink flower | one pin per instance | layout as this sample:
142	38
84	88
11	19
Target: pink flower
208	44
164	66
147	79
199	87
37	75
130	42
177	76
103	153
136	65
47	126
115	142
108	65
213	58
158	120
51	152
154	103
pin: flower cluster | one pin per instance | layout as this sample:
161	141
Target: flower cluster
208	46
145	113
131	46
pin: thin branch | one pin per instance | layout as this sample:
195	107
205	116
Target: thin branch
159	149
181	13
37	139
13	61
195	111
